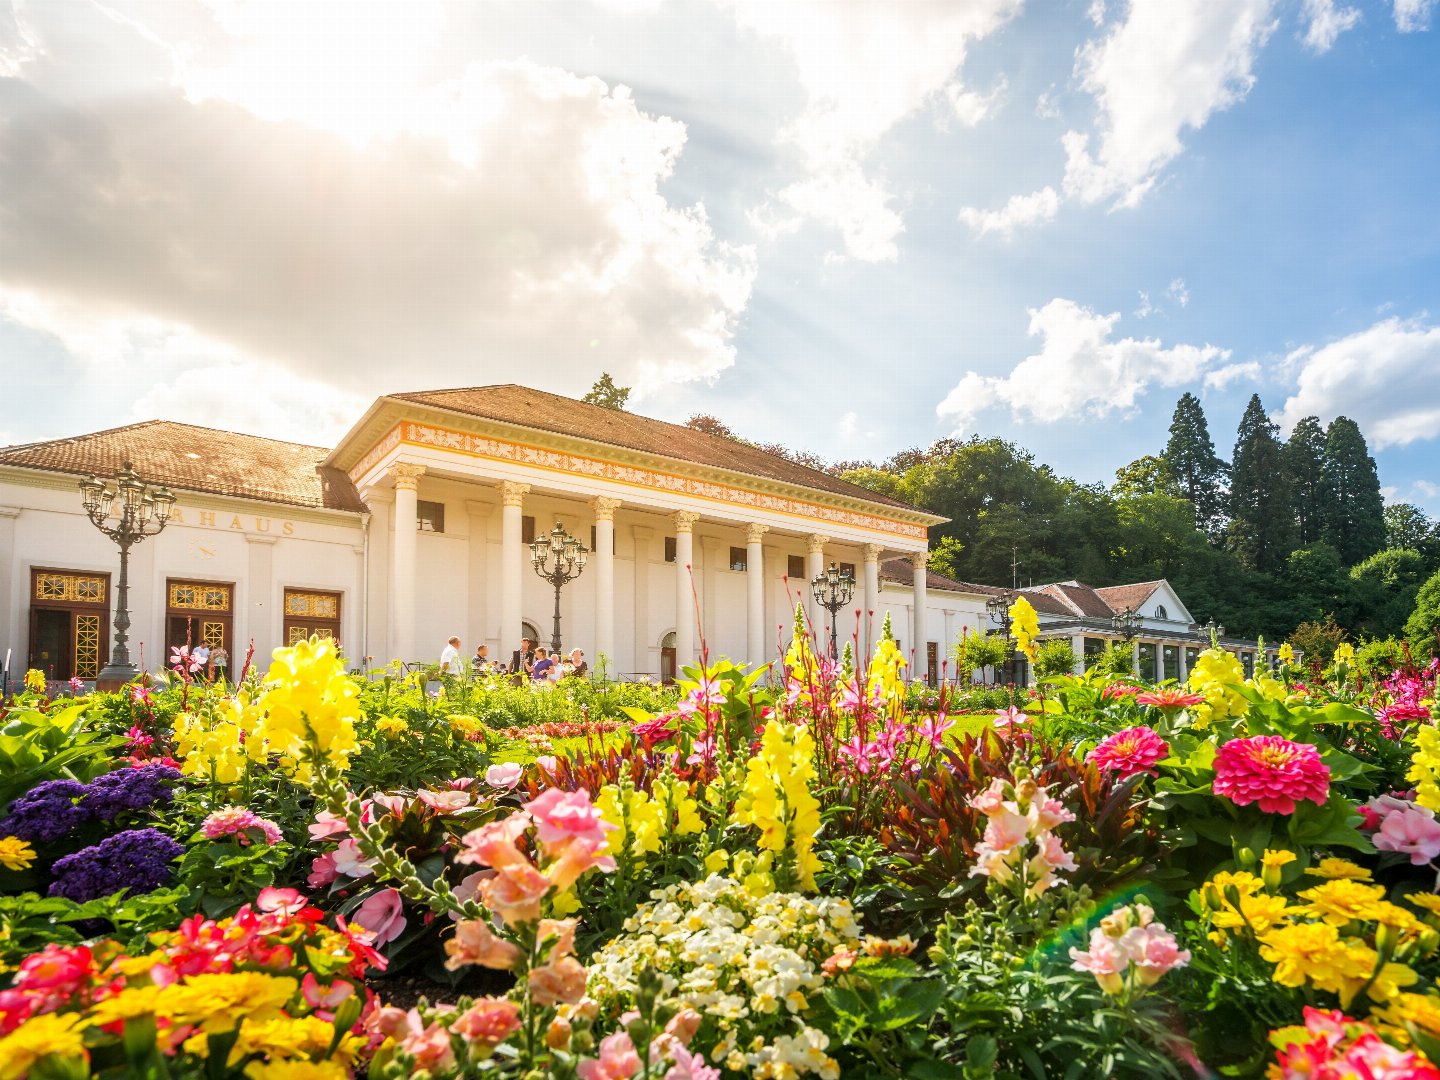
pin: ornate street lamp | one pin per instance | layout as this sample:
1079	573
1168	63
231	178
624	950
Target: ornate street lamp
142	513
1212	631
833	590
1126	623
998	609
558	558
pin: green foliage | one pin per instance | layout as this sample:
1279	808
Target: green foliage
1386	586
1408	527
1198	472
1424	622
1054	657
1317	640
1352	508
976	652
1116	659
606	394
38	745
1261	523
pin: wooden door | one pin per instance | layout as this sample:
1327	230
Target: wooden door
309	613
69	623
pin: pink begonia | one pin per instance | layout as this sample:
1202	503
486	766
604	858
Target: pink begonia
236	821
285	901
391	804
1128	752
1410	830
504	776
351	861
444	802
1272	772
328	824
383	914
322	871
618	1060
320	996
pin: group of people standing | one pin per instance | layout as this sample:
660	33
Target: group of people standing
531	661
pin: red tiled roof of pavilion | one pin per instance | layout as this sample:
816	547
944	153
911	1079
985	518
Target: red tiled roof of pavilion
544	411
901	572
1120	597
201	459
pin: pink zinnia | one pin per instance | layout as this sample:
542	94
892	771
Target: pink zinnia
1131	751
1170	697
1119	690
1271	771
236	821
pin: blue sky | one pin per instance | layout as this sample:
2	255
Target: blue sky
844	225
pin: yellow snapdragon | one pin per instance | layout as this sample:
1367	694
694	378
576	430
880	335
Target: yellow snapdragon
1425	767
1215	675
1024	626
310	702
776	797
886	677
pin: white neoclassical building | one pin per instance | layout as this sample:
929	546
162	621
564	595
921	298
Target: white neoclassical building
415	527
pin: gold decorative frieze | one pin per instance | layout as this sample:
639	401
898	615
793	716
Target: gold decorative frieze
485	446
312	605
70	588
192	597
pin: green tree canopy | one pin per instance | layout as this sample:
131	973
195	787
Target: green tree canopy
1407	526
1190	453
1386	585
1261	522
1424	622
1304	459
1352	508
606	394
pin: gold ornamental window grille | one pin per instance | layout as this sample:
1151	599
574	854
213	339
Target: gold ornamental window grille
71	588
200	597
312	605
213	635
298	634
87	646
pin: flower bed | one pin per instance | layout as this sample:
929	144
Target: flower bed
813	872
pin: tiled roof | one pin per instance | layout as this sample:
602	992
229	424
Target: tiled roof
201	459
1045	603
537	409
902	573
1120	597
1081	599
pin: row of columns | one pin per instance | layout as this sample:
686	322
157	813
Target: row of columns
406	476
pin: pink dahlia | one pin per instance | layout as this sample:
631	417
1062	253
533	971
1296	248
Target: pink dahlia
1271	771
1128	752
1170	697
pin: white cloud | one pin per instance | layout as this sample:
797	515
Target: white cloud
1096	12
1146	308
1177	291
1019	211
1221	378
1413	15
1382	378
1079	371
970	106
1324	23
864	65
1427	489
524	224
1170	65
849	424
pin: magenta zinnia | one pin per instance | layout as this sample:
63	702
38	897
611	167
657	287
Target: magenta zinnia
1130	751
1271	771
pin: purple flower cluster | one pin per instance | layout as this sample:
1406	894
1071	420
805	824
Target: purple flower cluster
107	796
46	812
137	859
57	808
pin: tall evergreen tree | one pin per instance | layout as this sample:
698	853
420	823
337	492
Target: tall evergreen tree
1304	461
1190	453
1353	510
1261	517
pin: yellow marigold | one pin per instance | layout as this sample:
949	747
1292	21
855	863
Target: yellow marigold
1272	866
310	702
1428	901
297	1070
283	1039
1214	676
217	1002
35	681
1421	1010
1024	626
1339	868
46	1035
1425	767
1341	901
1258	913
1314	953
391	725
463	725
129	1003
16	854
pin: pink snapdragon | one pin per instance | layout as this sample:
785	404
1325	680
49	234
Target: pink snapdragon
1134	750
618	1060
1129	952
238	822
1018	845
1272	772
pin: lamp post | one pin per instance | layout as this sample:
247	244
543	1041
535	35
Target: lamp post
558	558
1213	631
1126	623
142	513
998	609
833	590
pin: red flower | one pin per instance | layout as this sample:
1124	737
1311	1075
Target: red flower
1169	697
1119	690
1130	751
1271	771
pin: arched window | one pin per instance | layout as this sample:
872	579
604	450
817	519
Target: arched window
528	630
1160	612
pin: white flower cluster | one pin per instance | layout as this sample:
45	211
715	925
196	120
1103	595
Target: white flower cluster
748	964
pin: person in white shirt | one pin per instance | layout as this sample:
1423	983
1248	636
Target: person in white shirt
450	663
200	657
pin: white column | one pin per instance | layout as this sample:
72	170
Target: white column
778	612
261	621
512	564
644	642
872	599
477	604
755	650
402	621
1077	646
919	560
949	642
604	567
1184	661
1135	658
1159	647
377	599
713	551
684	589
10	612
815	566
